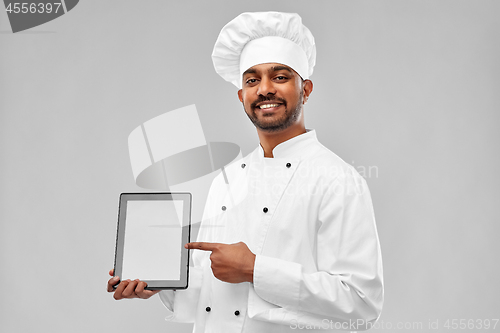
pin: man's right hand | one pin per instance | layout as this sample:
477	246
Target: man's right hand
129	289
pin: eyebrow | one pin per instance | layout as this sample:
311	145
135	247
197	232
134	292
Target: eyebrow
280	68
272	69
249	71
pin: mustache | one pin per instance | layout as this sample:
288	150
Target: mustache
267	99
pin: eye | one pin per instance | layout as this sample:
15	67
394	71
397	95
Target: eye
281	78
250	81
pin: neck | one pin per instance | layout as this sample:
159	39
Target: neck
269	140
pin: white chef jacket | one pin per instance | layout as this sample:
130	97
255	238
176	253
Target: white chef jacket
308	217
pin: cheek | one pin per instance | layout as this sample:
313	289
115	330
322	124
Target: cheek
246	99
247	95
292	96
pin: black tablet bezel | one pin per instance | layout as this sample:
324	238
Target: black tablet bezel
182	283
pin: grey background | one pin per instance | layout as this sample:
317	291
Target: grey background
409	88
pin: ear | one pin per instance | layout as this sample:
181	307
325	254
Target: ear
307	89
240	95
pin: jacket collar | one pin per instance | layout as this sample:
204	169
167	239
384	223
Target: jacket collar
294	147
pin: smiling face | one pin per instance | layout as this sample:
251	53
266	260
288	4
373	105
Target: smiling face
272	96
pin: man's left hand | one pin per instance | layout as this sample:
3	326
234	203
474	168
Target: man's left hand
231	263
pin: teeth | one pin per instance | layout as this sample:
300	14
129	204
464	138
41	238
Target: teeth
267	106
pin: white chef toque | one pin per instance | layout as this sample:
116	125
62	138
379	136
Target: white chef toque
266	37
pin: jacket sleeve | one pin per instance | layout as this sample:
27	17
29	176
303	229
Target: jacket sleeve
181	304
346	290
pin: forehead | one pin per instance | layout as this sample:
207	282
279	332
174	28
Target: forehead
268	68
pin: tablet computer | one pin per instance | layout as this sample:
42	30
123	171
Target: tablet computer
152	231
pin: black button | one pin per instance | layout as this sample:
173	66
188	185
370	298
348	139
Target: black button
288	165
208	309
223	207
243	165
265	209
236	313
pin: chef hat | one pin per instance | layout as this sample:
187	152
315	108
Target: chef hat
267	37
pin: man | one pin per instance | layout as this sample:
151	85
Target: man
288	239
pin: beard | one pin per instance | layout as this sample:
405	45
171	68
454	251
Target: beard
288	118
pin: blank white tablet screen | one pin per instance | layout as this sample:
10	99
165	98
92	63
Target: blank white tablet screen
152	243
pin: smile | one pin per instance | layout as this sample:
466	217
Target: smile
268	106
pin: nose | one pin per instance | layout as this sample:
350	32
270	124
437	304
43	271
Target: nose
266	87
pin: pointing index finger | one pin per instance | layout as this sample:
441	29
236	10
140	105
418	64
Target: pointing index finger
204	246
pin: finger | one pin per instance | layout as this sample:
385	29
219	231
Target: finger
148	293
205	246
142	292
111	271
112	282
129	291
119	290
152	292
140	288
